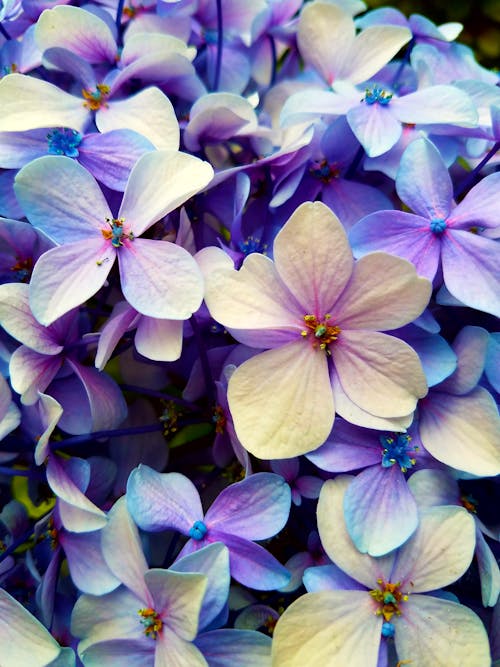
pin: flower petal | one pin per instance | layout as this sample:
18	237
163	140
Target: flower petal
304	250
20	97
81	32
434	631
399	233
227	647
160	279
177	596
384	293
253	301
159	124
325	33
160	340
159	183
62	199
375	127
380	511
25	641
423	182
163	500
336	541
470	269
462	431
439	552
251	564
256	508
281	401
68	275
122	550
380	373
328	628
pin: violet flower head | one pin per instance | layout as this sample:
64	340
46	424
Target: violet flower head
255	509
438	233
62	199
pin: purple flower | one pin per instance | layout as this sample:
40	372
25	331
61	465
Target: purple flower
62	199
438	233
255	509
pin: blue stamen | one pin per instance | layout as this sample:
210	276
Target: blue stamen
198	530
377	94
388	629
396	449
437	225
64	141
251	245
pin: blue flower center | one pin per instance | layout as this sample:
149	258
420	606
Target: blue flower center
388	629
198	530
437	225
377	94
250	245
64	141
396	448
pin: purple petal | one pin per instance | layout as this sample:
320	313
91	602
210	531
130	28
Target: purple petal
87	567
470	346
228	647
329	578
68	275
82	32
423	182
213	561
470	269
31	373
251	564
399	233
256	508
122	319
380	511
107	405
351	201
479	207
348	448
62	199
122	551
163	500
19	148
110	156
87	516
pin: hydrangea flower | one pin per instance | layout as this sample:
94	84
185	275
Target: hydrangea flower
62	199
438	233
255	509
356	611
320	314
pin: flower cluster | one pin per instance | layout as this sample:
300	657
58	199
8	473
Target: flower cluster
249	351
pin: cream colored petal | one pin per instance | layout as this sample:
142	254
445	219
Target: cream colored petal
313	257
281	401
380	373
328	629
384	293
336	541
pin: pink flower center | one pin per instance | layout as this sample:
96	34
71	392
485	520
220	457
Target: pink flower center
116	232
320	331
